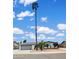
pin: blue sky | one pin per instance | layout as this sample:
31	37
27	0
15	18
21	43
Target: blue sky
51	20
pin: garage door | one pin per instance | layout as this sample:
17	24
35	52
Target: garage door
24	47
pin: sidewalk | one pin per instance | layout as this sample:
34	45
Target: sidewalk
48	51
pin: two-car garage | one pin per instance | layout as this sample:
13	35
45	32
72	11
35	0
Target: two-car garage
27	46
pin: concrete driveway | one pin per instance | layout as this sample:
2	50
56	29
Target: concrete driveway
48	51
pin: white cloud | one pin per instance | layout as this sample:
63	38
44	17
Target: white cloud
32	27
20	18
32	14
30	35
44	30
60	34
63	31
44	19
50	37
27	2
25	13
41	36
23	37
61	26
17	31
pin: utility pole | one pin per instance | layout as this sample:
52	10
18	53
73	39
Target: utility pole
34	7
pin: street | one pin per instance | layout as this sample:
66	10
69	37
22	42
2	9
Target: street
41	56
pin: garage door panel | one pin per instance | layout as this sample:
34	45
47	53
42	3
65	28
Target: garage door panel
26	47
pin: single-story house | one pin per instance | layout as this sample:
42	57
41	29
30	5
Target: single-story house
27	46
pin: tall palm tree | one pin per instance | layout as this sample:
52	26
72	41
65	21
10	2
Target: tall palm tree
34	7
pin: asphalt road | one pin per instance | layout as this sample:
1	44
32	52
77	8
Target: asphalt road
41	56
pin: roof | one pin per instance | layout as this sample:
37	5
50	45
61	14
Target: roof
63	43
28	43
15	43
51	42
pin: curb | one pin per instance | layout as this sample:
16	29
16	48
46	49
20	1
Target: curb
39	53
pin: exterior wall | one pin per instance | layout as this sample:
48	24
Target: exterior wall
33	47
26	47
19	47
50	45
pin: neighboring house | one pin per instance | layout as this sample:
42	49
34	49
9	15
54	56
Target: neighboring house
27	46
15	45
63	44
51	44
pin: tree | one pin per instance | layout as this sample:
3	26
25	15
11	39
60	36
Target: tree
24	41
41	45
